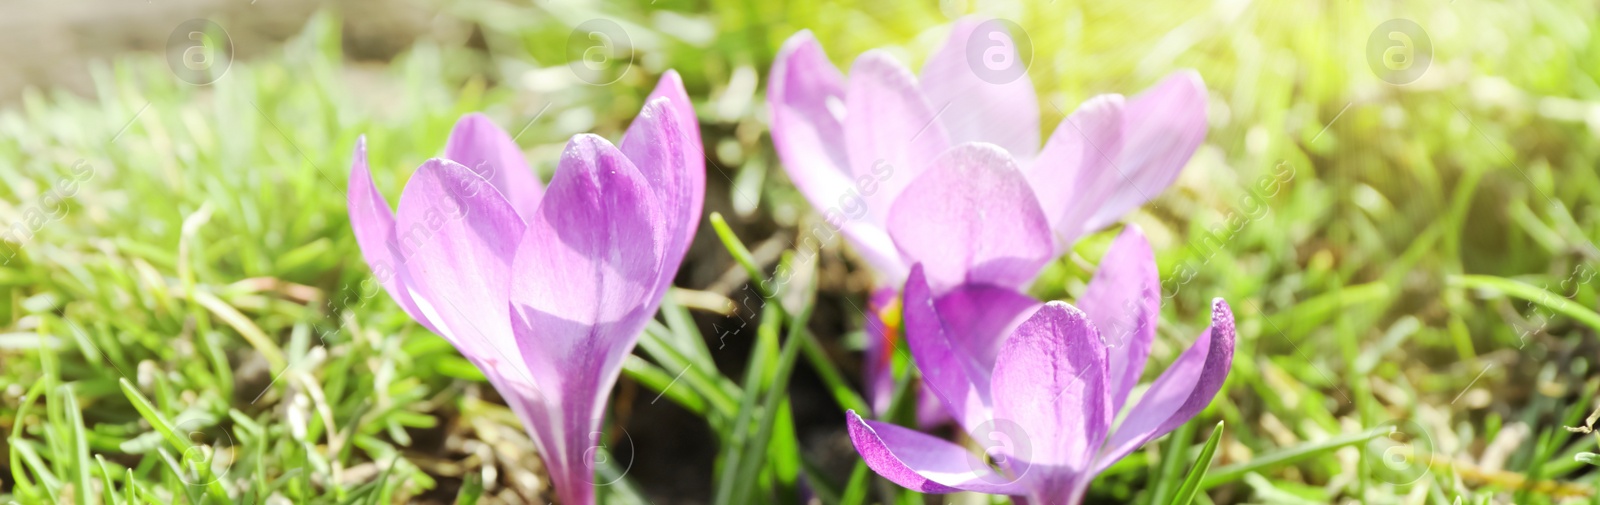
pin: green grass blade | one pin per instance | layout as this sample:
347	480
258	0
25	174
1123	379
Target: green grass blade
80	444
19	473
658	380
855	492
108	489
756	450
159	422
767	338
1530	293
843	394
1167	473
1191	484
741	254
471	490
1297	453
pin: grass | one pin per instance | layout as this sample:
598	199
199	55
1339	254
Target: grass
1412	267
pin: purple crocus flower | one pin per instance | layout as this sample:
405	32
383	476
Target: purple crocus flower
946	169
544	289
1051	392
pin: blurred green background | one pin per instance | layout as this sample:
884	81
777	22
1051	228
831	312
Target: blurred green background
1412	264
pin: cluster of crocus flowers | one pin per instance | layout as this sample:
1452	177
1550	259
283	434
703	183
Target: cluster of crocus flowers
939	183
946	170
1050	392
544	289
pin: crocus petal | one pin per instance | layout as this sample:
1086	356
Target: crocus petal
1123	301
1003	112
659	145
981	318
971	219
1077	171
479	144
948	373
1164	126
591	261
373	224
459	236
1050	382
1182	391
891	132
882	335
924	463
806	95
671	87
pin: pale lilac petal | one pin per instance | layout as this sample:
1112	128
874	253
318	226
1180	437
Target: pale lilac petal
924	463
1050	380
1005	114
458	236
1164	126
587	272
958	381
479	144
1124	301
373	224
890	130
660	147
1182	391
1077	172
971	219
806	96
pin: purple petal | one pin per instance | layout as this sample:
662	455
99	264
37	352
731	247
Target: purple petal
980	318
955	378
1182	391
1077	172
971	219
923	463
671	87
479	144
890	130
879	350
373	224
1124	301
458	236
524	400
565	439
1050	383
1164	126
587	272
1003	113
806	95
660	146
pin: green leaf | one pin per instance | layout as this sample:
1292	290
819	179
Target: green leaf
1191	484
